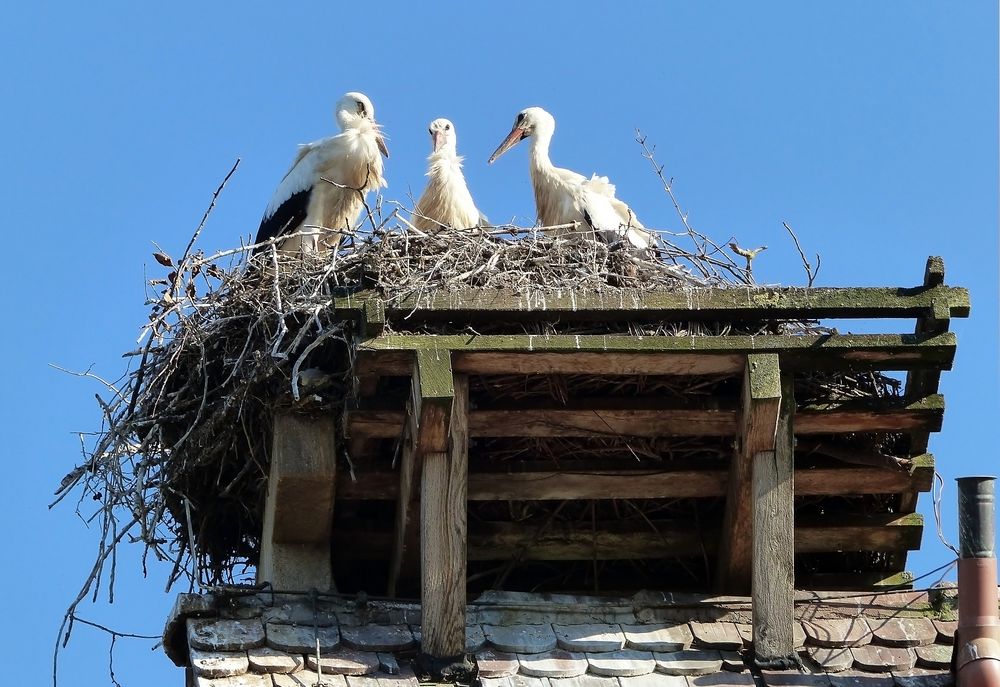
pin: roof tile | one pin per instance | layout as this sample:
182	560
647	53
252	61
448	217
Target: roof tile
934	656
838	632
475	639
689	662
717	635
923	678
308	678
267	660
855	678
301	639
882	659
345	662
904	631
219	663
555	663
793	678
236	681
830	659
212	634
658	637
521	639
378	637
403	678
945	631
733	661
653	680
587	680
624	663
593	637
722	680
495	664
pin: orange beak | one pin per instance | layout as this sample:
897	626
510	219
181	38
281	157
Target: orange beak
513	138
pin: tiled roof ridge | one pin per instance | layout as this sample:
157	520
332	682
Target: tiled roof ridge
523	640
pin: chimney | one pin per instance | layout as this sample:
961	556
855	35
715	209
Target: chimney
977	642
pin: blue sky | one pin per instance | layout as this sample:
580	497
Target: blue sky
870	127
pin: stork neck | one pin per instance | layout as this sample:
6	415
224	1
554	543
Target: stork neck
540	150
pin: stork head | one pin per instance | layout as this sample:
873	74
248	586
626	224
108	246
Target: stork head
355	111
533	121
443	136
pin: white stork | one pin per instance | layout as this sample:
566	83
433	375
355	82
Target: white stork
323	192
563	196
446	202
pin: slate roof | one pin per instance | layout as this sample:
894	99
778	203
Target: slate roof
525	640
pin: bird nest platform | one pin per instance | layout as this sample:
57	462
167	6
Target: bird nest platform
581	359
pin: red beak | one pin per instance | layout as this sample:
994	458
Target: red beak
513	138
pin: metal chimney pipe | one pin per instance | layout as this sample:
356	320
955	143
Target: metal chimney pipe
977	641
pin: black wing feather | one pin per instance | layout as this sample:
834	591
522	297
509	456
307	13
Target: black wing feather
286	219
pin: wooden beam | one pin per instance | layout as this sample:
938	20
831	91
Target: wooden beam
647	484
657	539
730	303
443	516
761	398
774	541
855	415
807	352
426	432
298	513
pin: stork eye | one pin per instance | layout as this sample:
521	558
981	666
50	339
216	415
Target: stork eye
447	127
361	108
520	117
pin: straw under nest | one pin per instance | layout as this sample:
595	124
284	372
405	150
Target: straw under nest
181	458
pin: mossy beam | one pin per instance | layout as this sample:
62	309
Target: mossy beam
861	351
704	303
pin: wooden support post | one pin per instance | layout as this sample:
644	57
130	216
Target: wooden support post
425	431
443	536
298	515
761	398
774	541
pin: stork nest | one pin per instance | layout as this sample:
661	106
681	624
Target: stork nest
180	461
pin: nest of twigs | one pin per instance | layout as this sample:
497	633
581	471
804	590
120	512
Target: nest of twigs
181	460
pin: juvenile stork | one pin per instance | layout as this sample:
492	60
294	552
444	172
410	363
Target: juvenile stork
323	192
565	197
446	202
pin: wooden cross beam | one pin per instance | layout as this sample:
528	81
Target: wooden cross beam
298	514
758	423
774	541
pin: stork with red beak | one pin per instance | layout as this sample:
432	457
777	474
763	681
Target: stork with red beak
322	194
446	201
565	197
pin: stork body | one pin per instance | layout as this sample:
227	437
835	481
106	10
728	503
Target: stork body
563	196
323	192
446	201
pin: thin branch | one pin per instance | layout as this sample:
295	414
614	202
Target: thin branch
810	274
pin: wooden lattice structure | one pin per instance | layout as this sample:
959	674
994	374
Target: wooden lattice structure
793	481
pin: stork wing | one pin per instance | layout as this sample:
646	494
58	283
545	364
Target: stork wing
611	219
290	202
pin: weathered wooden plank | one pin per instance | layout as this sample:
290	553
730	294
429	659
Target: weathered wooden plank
890	532
443	509
489	541
817	351
432	398
856	415
298	513
648	484
761	398
774	539
430	407
730	303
